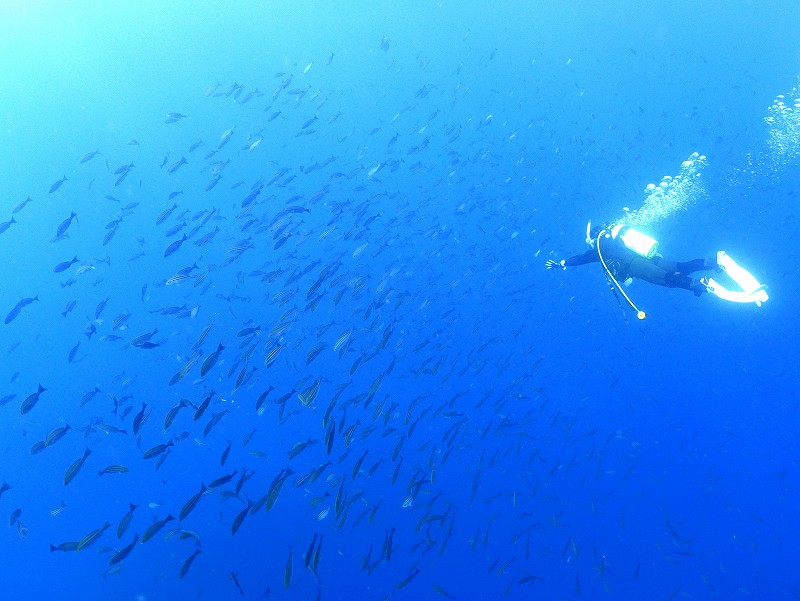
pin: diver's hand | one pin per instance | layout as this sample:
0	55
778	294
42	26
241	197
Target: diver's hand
555	264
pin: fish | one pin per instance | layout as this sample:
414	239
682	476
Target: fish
206	238
58	510
165	214
224	457
262	399
177	165
225	138
109	236
109	429
308	395
31	400
300	447
330	432
64	225
214	421
73	469
123	169
211	360
315	561
114	469
407	580
187	564
89	156
125	522
314	352
89	396
142	339
174	117
189	506
175	229
120	321
56	435
56	185
287	572
172	248
248	437
157	450
7	224
21	205
443	592
316	473
140	419
12	315
100	307
124	552
273	354
72	352
357	464
172	413
223	480
275	487
69	307
213	182
64	265
201	409
239	519
235	579
307	557
155	527
92	537
65	547
178	278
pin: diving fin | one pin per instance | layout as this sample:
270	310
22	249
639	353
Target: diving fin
752	291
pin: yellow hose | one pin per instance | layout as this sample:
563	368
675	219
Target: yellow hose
639	314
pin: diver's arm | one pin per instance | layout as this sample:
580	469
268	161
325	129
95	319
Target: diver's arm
551	264
590	256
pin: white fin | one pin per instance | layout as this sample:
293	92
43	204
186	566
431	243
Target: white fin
751	290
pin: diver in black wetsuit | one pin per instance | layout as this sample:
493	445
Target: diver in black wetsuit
624	264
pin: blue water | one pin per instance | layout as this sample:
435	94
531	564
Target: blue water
499	430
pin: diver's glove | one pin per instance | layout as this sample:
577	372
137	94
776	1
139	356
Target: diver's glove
562	264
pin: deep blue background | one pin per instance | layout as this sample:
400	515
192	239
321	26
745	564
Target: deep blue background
606	457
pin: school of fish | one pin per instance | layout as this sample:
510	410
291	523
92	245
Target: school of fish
289	322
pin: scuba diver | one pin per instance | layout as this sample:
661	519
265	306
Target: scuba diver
624	260
626	253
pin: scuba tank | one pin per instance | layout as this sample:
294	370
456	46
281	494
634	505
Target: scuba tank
642	244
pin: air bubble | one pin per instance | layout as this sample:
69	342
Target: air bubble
672	194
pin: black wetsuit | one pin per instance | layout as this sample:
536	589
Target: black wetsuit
624	263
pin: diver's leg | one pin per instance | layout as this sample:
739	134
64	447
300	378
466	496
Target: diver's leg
649	271
677	280
686	267
665	264
697	265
